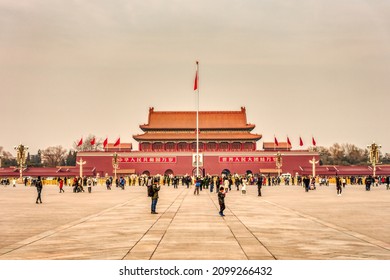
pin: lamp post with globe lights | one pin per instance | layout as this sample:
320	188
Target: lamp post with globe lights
115	164
21	157
374	156
279	162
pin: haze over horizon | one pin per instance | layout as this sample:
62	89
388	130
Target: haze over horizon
305	68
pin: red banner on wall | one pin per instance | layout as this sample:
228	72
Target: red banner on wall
147	159
245	159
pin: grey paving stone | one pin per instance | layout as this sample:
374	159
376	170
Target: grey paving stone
285	223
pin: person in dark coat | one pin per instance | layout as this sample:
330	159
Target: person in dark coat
369	181
156	189
39	187
306	183
338	186
259	185
221	200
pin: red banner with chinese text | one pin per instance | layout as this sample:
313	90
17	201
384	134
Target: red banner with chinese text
245	159
147	159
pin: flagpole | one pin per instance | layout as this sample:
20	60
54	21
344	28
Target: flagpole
274	143
197	121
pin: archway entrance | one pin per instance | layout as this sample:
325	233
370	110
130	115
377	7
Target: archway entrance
168	172
200	172
225	172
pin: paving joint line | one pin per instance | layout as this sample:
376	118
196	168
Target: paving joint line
357	235
162	237
245	228
155	222
48	233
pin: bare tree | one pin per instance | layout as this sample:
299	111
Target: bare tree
325	156
337	153
52	156
344	154
6	158
87	146
355	155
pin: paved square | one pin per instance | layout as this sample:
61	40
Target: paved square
285	223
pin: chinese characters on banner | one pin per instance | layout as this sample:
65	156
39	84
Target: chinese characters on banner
147	159
245	159
226	159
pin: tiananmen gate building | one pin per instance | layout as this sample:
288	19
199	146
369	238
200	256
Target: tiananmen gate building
167	145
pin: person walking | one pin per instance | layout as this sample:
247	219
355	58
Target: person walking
82	184
217	183
306	183
188	181
237	182
369	181
175	182
344	182
39	186
259	185
61	185
221	201
198	183
226	184
212	182
243	189
338	186
122	183
89	183
108	184
149	181
156	189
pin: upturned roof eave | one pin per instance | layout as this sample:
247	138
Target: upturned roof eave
193	137
146	128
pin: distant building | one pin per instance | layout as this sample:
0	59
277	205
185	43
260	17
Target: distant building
219	131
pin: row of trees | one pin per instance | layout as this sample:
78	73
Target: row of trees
52	156
346	154
49	157
337	154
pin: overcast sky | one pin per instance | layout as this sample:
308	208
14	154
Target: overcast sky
72	68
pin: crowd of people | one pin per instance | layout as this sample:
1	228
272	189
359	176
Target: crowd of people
221	184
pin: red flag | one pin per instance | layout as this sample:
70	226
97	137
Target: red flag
93	140
80	142
276	141
300	142
105	142
288	141
117	142
196	77
314	141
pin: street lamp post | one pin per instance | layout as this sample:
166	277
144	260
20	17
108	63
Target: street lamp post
81	163
21	157
115	164
374	156
313	162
